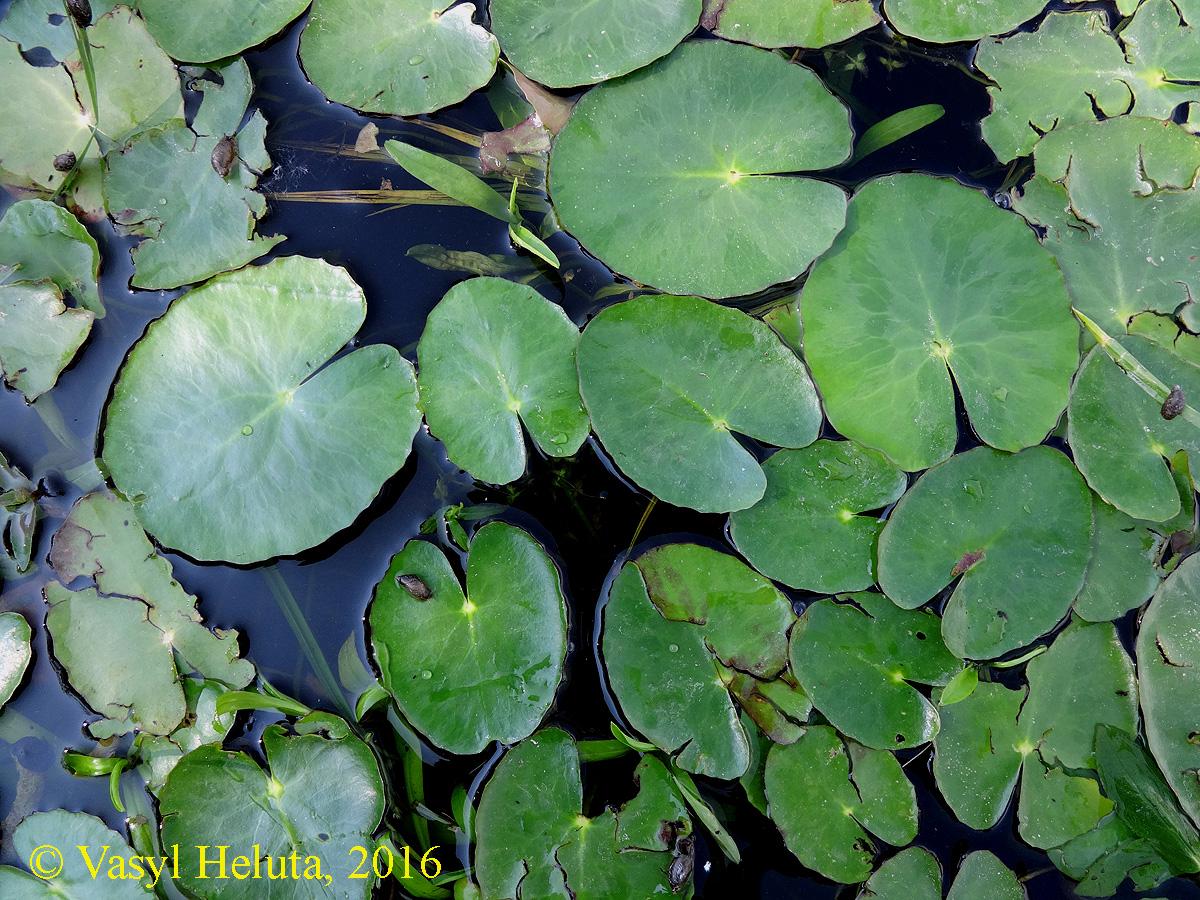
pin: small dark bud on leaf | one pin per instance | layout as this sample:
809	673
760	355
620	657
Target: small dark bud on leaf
415	586
64	162
224	154
1174	403
81	12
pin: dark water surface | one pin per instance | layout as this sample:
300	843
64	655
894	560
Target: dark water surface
585	514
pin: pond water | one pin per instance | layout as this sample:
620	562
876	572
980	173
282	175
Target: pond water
584	513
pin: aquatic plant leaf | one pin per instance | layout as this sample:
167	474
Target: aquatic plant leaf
856	666
225	103
39	336
1145	802
43	240
15	653
1029	516
322	797
1121	573
403	58
1073	69
120	649
1121	208
495	356
70	831
895	127
534	841
488	663
564	45
1168	664
667	379
1119	435
786	23
451	179
677	618
947	21
824	806
19	516
912	874
231	442
1056	807
983	877
209	30
808	530
671	175
1108	854
885	329
42	23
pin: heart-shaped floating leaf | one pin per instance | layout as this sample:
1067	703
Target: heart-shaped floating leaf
672	175
1073	67
911	874
488	663
409	57
205	30
678	619
667	379
946	21
41	23
534	840
826	795
495	355
1056	807
885	326
983	877
807	531
43	240
1119	435
786	23
1016	528
856	666
563	45
39	336
1122	572
1168	658
14	653
1121	209
322	798
227	437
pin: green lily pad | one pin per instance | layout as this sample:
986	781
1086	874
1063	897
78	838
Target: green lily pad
856	666
231	433
786	23
42	23
534	841
20	513
667	380
1168	658
206	30
1118	433
15	653
43	240
983	877
1073	67
120	649
808	530
403	58
72	835
39	336
911	874
488	664
827	797
678	619
1121	209
322	798
1056	807
671	175
495	355
564	45
1122	572
1108	854
947	21
887	326
1017	528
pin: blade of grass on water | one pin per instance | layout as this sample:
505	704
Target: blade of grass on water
895	127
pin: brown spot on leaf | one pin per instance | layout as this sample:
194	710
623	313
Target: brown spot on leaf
967	561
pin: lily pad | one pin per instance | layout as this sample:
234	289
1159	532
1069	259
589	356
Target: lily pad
403	58
233	435
20	513
1016	528
495	355
808	530
1168	657
15	653
667	380
678	619
672	175
1121	209
856	662
786	23
983	877
322	798
887	326
39	336
43	240
206	30
827	797
1105	856
1073	69
948	21
1057	807
488	664
535	842
1122	572
41	23
1119	435
564	45
911	874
